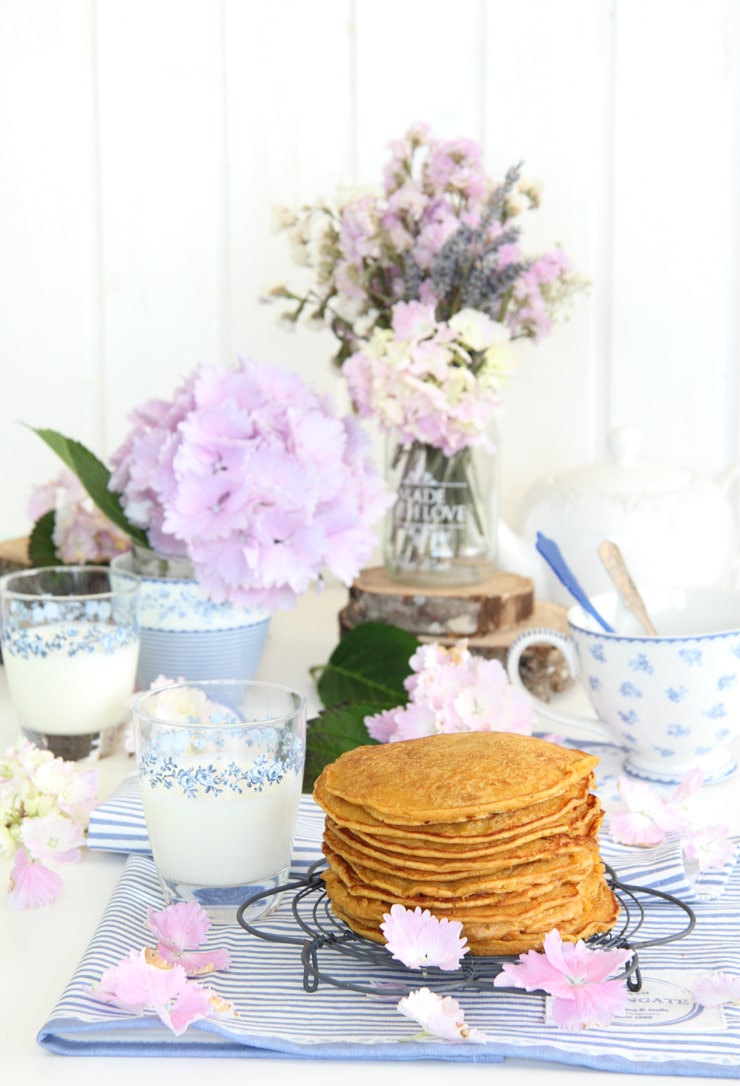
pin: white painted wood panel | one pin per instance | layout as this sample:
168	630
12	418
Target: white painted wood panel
161	113
290	128
548	106
144	143
49	331
674	370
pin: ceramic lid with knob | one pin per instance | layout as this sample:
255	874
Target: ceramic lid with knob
672	525
625	473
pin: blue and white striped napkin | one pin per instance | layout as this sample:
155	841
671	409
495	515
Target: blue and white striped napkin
662	1031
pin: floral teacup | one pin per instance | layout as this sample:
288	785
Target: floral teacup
672	702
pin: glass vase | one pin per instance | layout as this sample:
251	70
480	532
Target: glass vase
441	530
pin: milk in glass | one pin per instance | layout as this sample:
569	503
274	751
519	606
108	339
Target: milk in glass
221	840
71	694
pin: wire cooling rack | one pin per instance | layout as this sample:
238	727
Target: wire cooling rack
331	953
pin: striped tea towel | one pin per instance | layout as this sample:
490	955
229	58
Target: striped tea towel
661	1032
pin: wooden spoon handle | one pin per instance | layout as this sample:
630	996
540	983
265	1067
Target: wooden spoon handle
614	564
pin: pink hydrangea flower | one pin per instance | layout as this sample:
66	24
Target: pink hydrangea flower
417	378
81	532
453	690
577	978
439	1016
717	989
420	940
31	884
45	805
74	789
256	479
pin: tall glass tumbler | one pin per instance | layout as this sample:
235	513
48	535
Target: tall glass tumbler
220	767
70	639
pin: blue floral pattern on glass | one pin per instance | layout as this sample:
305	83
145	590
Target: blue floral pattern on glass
176	762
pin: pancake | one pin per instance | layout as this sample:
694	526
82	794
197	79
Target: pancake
453	778
575	863
431	852
355	817
452	868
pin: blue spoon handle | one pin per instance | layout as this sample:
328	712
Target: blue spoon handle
550	551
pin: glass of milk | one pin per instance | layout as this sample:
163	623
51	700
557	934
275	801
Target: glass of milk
220	767
70	640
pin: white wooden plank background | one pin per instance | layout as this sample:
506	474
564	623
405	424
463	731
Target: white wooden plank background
144	143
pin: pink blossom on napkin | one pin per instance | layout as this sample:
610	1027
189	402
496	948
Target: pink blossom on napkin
649	816
576	976
420	940
137	985
709	846
180	928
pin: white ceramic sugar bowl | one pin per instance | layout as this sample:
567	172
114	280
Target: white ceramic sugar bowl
672	526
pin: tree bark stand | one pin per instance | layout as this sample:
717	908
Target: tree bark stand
489	616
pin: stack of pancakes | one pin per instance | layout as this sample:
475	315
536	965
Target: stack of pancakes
494	829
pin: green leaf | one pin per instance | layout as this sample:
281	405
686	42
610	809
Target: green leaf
94	476
369	664
41	549
333	732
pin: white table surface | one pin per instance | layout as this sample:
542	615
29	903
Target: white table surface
39	949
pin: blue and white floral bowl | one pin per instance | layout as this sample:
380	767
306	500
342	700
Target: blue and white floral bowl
185	635
672	702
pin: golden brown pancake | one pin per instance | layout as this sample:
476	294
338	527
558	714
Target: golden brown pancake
453	778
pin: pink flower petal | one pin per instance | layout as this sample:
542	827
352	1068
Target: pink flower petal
196	962
53	838
717	989
580	963
648	816
439	1016
533	972
192	1004
590	1005
181	926
631	828
140	985
690	784
31	884
709	846
135	984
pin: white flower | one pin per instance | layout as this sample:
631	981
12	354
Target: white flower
282	218
476	330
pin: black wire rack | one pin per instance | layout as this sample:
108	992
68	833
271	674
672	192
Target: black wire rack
331	953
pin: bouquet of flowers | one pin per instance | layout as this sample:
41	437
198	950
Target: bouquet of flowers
425	284
247	474
440	231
